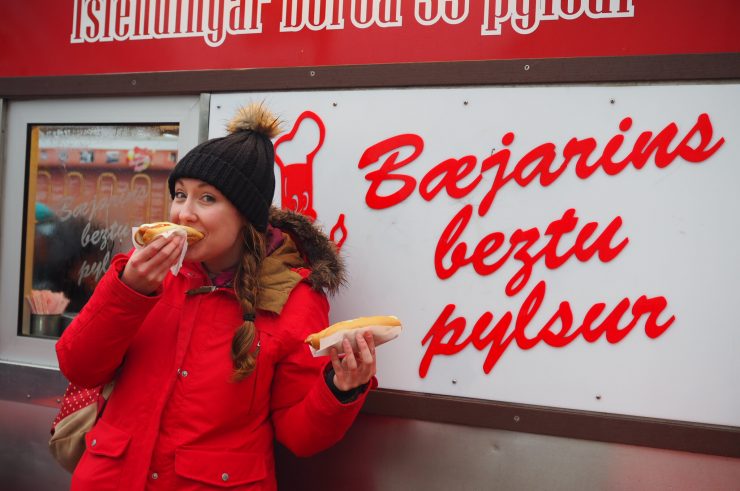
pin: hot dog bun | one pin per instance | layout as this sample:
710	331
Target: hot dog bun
148	231
375	320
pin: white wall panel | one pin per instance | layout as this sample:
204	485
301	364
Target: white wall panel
680	220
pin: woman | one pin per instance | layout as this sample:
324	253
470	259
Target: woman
210	365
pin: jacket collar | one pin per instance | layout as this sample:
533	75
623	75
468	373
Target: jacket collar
305	253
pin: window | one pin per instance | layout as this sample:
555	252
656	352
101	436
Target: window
86	186
77	175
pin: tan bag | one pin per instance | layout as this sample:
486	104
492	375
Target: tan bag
80	410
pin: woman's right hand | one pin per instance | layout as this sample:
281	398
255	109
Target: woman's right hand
147	267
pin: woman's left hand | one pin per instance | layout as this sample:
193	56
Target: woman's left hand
354	369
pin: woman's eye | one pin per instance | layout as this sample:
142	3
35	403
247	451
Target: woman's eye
180	195
208	198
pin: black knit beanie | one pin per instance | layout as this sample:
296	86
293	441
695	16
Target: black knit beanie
240	165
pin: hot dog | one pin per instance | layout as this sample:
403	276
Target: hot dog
148	231
377	320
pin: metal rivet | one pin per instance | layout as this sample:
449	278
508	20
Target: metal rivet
516	419
93	443
28	396
598	397
184	373
334	104
454	380
59	401
465	103
611	101
526	67
155	476
312	73
225	477
218	107
133	82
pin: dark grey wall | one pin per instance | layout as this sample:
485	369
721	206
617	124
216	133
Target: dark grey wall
382	453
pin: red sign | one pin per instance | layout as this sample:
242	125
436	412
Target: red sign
72	37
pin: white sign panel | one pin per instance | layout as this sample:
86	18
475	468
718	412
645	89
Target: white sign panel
563	246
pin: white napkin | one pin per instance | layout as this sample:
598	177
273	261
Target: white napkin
176	267
381	335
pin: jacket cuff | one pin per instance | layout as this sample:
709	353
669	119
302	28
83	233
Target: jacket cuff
343	396
118	287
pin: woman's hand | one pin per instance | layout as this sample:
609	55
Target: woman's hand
147	267
354	369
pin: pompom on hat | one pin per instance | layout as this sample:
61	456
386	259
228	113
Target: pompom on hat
240	164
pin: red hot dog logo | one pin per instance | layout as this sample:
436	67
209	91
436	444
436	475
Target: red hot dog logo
296	178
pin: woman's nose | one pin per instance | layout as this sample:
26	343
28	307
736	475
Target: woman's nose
184	212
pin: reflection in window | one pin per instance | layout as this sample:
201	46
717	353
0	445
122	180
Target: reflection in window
87	185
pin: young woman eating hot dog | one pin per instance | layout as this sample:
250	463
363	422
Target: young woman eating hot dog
210	366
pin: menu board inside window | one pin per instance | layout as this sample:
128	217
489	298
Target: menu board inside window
86	187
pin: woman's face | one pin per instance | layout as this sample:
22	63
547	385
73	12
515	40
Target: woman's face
203	207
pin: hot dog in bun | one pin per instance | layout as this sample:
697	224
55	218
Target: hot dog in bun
148	231
361	322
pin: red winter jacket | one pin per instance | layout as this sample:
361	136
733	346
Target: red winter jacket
175	420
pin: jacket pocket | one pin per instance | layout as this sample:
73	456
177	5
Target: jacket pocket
106	440
220	469
101	465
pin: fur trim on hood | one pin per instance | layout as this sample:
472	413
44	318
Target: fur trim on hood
320	253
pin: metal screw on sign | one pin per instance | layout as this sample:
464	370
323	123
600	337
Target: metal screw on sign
526	68
465	103
516	419
334	104
312	73
611	101
598	397
133	82
218	107
454	380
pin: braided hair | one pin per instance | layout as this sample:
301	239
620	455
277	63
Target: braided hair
247	288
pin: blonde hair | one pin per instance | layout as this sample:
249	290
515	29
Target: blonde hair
247	288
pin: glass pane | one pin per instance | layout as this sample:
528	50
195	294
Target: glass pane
86	186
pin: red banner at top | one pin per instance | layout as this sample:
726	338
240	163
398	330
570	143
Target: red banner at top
73	37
